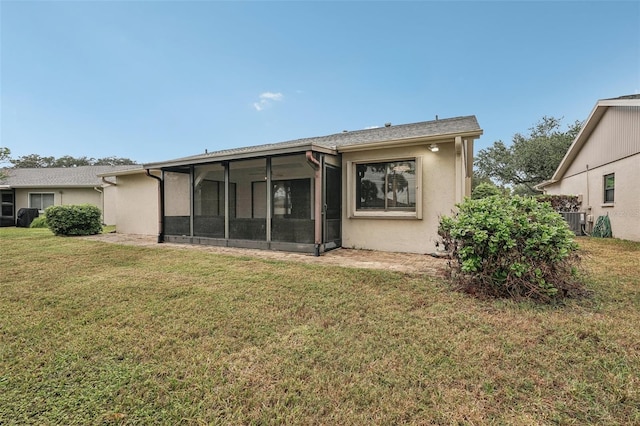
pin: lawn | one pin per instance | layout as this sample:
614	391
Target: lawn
96	333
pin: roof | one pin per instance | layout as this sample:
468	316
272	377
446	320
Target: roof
338	142
587	128
58	177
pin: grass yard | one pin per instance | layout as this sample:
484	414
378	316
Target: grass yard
96	333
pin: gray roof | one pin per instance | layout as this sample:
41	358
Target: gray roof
636	96
82	176
334	142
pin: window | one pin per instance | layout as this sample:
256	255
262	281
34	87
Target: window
40	201
386	186
609	187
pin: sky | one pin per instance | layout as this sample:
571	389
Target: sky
159	80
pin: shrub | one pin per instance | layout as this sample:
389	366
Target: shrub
39	222
74	220
485	189
511	247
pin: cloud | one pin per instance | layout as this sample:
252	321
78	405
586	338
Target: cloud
371	127
273	96
266	99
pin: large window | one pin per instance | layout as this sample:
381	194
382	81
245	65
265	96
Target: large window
386	186
609	187
40	201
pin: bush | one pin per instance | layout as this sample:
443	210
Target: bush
74	220
484	190
511	247
39	222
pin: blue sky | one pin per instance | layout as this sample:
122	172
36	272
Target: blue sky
157	80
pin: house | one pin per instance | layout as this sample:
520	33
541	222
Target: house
602	167
43	187
380	189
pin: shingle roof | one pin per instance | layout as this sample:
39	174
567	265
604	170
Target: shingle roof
336	141
82	176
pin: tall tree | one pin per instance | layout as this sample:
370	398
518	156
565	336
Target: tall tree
530	159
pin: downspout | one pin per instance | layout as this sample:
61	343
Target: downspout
95	188
318	202
161	218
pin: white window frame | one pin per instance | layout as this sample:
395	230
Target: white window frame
41	194
353	213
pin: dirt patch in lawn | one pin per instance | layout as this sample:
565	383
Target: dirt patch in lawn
421	264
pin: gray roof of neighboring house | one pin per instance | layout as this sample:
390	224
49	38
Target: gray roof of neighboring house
82	176
447	126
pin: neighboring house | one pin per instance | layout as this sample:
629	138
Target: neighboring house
379	189
43	187
602	167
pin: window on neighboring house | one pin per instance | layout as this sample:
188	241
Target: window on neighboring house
388	187
40	201
609	187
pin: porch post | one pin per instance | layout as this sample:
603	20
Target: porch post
459	176
318	201
191	198
226	199
269	190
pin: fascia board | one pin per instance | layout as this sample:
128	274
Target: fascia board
241	156
406	142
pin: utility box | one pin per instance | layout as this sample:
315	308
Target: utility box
575	220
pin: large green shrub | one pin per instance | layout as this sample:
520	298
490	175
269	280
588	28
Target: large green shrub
511	247
74	219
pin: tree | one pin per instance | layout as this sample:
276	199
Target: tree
530	159
4	156
36	161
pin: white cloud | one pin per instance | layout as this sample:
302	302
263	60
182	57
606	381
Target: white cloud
266	99
371	127
272	96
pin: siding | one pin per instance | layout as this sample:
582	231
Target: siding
616	136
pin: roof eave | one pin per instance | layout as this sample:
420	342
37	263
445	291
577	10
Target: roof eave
589	126
412	141
212	158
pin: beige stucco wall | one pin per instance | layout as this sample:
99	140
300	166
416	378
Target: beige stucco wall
136	204
410	235
624	213
61	196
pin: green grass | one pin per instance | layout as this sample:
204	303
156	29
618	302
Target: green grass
96	333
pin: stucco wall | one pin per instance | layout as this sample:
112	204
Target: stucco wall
624	213
137	208
61	196
403	235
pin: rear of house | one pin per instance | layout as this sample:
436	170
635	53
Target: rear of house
381	189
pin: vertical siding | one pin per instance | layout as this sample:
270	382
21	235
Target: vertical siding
616	136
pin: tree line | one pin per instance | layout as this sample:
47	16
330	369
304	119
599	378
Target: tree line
32	161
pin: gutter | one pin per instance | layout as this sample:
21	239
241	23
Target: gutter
318	201
161	214
108	182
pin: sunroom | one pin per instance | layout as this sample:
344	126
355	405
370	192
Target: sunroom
279	199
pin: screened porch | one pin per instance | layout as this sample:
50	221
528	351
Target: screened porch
289	202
